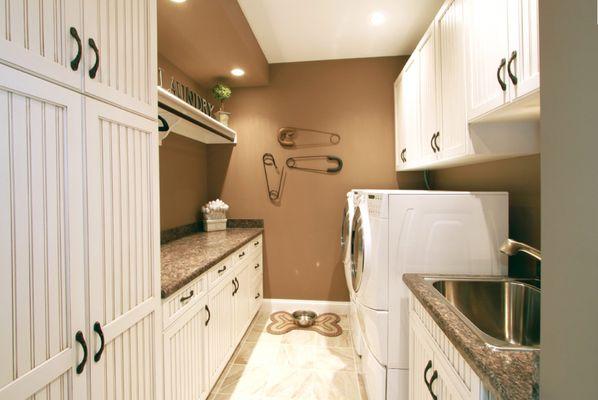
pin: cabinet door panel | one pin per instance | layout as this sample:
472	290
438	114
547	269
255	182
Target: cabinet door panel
123	251
451	40
428	94
420	354
410	112
185	356
523	38
42	287
400	138
125	35
488	45
35	36
242	303
220	328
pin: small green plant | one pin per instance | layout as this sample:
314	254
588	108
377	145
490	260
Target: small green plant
221	93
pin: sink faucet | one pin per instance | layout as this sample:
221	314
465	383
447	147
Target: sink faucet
511	247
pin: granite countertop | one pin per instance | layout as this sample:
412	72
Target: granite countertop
185	259
509	375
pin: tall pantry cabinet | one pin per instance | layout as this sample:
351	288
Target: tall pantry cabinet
79	227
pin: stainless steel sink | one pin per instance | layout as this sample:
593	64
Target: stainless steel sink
505	313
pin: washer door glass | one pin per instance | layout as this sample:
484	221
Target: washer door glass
357	251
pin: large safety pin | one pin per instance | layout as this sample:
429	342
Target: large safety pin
268	160
286	137
292	163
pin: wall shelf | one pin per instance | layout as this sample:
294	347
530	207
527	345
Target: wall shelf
185	120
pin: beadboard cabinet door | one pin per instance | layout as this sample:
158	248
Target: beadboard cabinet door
429	83
242	302
524	47
488	45
121	53
220	327
121	166
421	357
42	286
453	99
407	114
41	37
186	355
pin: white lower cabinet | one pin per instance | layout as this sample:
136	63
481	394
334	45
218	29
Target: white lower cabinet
186	360
436	369
201	333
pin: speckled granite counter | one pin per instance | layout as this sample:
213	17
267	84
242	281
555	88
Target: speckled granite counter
509	375
184	259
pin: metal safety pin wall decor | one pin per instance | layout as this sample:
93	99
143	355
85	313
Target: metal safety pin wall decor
293	161
288	135
269	161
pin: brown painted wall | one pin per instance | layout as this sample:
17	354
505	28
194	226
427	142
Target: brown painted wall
521	178
351	97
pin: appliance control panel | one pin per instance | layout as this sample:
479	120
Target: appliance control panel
377	204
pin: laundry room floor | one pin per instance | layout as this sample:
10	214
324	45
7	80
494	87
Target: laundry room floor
297	365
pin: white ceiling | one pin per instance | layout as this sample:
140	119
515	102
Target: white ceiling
307	30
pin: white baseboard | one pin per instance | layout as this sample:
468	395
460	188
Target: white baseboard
318	306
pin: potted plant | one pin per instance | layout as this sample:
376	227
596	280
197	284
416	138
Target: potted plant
222	93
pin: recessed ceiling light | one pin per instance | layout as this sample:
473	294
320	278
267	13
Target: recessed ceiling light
377	18
237	72
178	1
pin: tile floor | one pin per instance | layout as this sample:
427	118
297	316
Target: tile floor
297	365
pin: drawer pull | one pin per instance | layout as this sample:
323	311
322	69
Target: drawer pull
221	270
209	315
185	298
81	340
432	379
257	296
242	255
256	243
257	266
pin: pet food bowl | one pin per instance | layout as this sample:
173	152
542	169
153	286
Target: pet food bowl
304	318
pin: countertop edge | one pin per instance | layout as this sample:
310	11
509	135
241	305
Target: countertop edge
473	349
164	294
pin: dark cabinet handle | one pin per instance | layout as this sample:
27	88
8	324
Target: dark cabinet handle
165	127
75	61
432	143
221	270
81	340
403	157
238	285
256	243
242	255
185	298
509	70
94	70
436	141
432	379
209	315
502	83
235	287
257	296
97	328
256	266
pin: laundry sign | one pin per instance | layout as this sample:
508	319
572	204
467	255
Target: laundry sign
188	95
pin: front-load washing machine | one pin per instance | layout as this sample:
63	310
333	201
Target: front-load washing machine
397	232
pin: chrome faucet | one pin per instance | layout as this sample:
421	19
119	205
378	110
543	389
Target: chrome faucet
511	247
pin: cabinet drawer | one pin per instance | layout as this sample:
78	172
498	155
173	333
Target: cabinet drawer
256	265
175	305
257	294
219	271
256	244
241	256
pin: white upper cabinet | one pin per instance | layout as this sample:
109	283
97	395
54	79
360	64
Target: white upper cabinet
469	92
42	289
121	53
451	43
43	38
524	59
407	128
429	95
488	45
